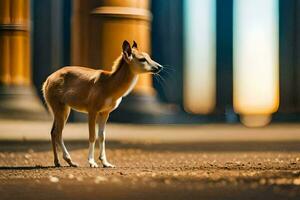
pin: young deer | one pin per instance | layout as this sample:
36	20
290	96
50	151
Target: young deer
95	92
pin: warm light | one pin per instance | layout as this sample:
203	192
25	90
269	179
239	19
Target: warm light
256	120
256	63
199	55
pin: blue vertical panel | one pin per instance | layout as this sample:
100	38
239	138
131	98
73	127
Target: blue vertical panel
224	59
167	48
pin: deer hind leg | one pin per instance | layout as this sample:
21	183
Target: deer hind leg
53	140
60	120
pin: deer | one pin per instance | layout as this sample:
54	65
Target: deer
95	92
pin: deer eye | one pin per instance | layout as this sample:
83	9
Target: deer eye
142	59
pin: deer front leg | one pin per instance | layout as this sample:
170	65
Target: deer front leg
92	139
102	119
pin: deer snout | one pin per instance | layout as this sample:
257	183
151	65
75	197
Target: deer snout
156	68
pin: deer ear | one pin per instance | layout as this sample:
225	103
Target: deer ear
134	45
126	48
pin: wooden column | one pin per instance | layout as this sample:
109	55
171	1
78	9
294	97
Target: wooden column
131	21
14	42
17	97
100	27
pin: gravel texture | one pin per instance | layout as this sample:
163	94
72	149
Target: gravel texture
154	170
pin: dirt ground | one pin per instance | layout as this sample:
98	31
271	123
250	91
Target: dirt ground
155	170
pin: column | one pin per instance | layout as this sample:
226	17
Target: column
256	63
17	96
199	86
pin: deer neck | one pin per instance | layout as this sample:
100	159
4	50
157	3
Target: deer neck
121	80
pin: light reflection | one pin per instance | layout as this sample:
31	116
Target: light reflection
256	64
199	55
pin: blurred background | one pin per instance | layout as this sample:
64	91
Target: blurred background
226	61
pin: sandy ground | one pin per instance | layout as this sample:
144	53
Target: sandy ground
216	162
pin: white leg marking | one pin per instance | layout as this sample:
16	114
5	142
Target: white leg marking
101	137
66	154
102	157
91	155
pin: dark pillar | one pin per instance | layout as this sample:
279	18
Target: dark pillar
297	61
224	60
51	38
289	48
167	48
